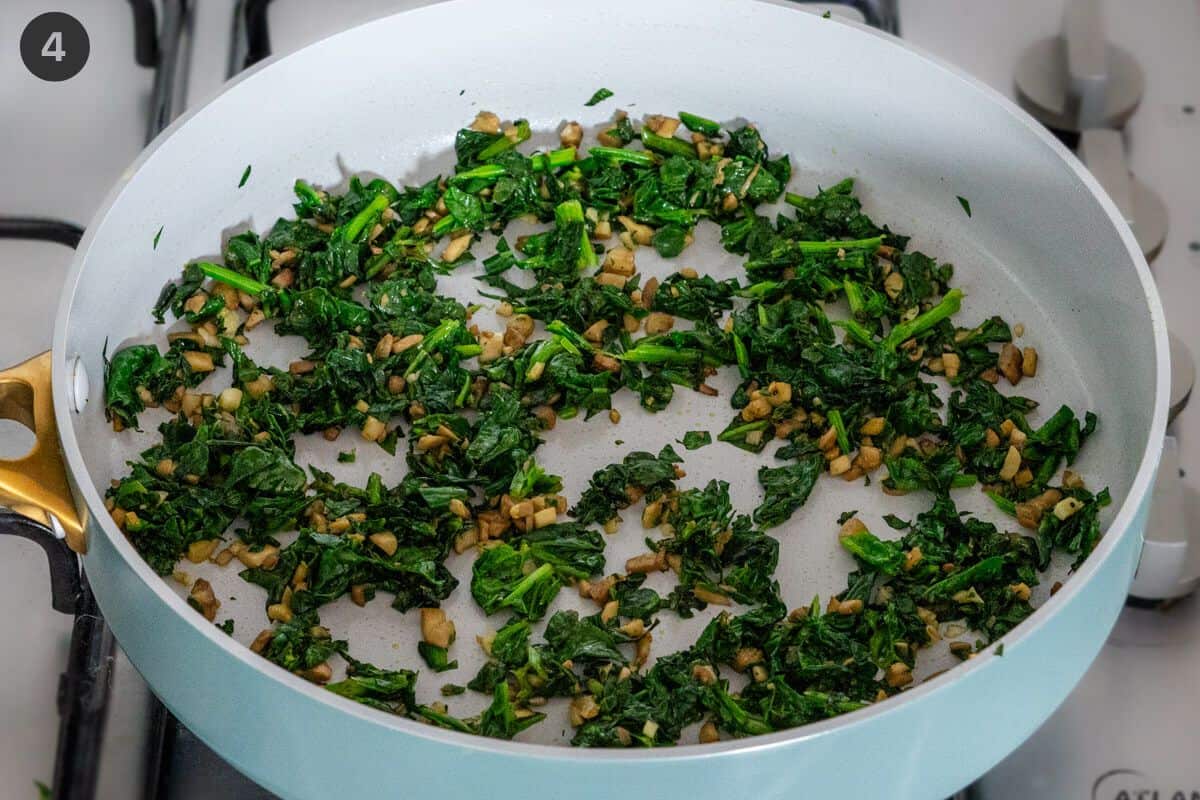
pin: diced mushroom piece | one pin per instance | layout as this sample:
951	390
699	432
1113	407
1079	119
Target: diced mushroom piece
407	342
898	674
203	599
611	279
466	540
1029	362
756	409
260	386
951	364
912	558
547	416
648	562
199	552
255	319
873	427
839	465
1064	509
457	246
850	527
436	629
582	708
652	513
199	361
385	541
634	628
845	607
711	597
893	285
571	135
321	673
657	322
1023	478
486	122
1012	463
606	362
262	640
230	399
609	137
284	278
649	291
491	346
641	649
599	590
1009	363
662	125
196	302
619	261
641	234
266	558
704	674
383	348
869	458
777	393
1028	515
373	429
746	657
521	510
595	332
520	328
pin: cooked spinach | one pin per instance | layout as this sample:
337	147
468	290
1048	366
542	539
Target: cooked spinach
599	96
392	358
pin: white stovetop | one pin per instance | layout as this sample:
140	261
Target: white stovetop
65	144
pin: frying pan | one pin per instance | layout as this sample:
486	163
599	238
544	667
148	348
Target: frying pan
1044	246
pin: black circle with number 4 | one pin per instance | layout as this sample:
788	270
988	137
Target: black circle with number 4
54	46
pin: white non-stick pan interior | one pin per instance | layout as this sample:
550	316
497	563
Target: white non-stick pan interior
1038	249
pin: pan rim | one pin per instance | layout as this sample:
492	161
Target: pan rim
1118	529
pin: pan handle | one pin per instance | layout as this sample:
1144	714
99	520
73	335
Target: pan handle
35	485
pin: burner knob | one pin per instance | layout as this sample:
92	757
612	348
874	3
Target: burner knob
1078	79
1169	567
1103	152
1170	562
1183	376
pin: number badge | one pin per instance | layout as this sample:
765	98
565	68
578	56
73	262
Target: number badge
54	46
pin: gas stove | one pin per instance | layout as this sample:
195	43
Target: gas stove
1115	80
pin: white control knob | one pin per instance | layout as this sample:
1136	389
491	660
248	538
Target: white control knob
1103	151
1078	79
